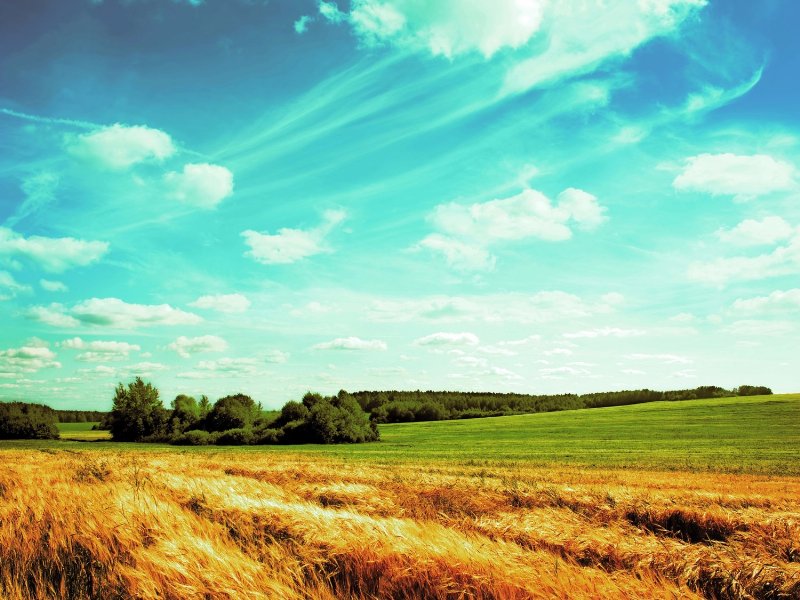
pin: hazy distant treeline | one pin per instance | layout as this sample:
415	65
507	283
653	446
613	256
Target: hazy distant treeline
405	406
80	416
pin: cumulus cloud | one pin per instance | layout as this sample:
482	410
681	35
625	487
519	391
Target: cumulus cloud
447	28
301	24
121	146
276	357
10	287
27	359
750	232
743	177
186	346
777	301
113	313
52	286
226	303
759	327
202	185
291	245
457	254
469	229
100	350
783	260
352	343
52	254
448	339
605	332
224	367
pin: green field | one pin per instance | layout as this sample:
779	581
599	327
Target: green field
81	432
759	434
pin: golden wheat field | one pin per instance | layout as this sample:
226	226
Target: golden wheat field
181	525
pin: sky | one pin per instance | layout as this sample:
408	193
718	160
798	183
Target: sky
271	197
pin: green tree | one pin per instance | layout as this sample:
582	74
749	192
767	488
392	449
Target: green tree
20	420
185	413
238	411
204	405
137	412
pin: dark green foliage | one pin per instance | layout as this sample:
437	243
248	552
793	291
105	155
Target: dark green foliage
310	399
193	437
24	421
137	412
401	407
235	437
753	390
185	414
238	411
339	420
291	411
80	416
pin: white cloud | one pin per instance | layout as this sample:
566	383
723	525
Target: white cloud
202	185
605	332
276	357
226	303
186	346
448	339
577	36
52	286
469	229
301	24
743	177
52	254
457	254
111	312
528	214
10	287
351	343
767	231
558	352
783	260
667	359
53	315
291	245
100	350
758	327
541	307
145	368
224	367
27	359
777	301
330	11
120	146
446	28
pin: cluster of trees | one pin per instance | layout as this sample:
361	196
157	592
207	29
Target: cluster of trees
24	421
138	415
80	416
400	407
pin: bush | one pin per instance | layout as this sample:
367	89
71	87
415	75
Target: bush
235	437
193	437
267	436
24	421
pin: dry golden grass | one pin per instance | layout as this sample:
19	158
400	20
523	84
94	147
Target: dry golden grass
174	525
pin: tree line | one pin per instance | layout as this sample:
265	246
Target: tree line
407	406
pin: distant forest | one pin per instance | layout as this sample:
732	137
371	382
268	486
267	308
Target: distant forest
403	407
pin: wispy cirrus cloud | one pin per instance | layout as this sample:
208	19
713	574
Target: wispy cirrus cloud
352	343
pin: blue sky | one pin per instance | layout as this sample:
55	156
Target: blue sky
272	197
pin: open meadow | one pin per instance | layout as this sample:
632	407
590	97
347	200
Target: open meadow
666	500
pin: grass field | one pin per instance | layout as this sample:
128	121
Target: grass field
82	432
561	505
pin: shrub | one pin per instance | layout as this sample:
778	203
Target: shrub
235	437
193	437
21	420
